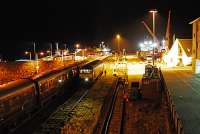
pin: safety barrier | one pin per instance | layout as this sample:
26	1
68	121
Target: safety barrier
177	123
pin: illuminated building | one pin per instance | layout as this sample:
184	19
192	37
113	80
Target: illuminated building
180	53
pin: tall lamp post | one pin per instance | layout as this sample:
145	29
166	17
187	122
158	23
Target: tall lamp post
154	11
51	49
34	50
77	46
29	54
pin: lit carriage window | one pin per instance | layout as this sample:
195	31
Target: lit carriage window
60	80
85	70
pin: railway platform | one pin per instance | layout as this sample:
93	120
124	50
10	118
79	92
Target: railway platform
185	93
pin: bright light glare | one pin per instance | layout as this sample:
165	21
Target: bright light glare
173	56
118	36
106	50
37	67
59	81
145	42
150	42
153	11
41	53
163	41
135	69
77	45
141	45
155	44
86	79
65	53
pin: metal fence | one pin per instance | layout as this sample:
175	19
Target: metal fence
177	123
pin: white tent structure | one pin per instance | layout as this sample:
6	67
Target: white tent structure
180	53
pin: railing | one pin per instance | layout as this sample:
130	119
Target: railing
177	123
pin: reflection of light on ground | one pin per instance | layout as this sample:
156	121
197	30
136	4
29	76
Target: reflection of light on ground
135	68
189	68
165	67
131	57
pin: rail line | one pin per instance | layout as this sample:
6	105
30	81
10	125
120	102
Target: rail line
113	121
63	113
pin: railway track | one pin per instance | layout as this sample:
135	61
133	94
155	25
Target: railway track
56	121
117	114
36	119
113	120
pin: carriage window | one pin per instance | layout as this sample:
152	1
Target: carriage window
11	101
85	71
43	87
1	107
67	75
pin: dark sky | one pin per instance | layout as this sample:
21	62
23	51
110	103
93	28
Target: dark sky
87	22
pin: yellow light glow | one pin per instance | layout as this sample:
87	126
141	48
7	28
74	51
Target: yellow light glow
186	60
37	67
118	36
135	69
153	11
41	53
77	46
172	57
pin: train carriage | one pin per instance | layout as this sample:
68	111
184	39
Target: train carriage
21	98
49	84
17	98
90	72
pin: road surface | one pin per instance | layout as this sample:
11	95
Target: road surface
185	88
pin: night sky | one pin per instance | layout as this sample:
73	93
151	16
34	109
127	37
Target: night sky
87	22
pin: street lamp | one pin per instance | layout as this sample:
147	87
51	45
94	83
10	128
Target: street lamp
29	54
51	49
34	50
154	11
141	45
48	51
41	53
118	38
77	46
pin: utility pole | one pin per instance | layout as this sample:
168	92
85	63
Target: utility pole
34	50
65	46
51	50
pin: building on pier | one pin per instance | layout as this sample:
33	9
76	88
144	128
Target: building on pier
196	45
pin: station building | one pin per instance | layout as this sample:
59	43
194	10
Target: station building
196	45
